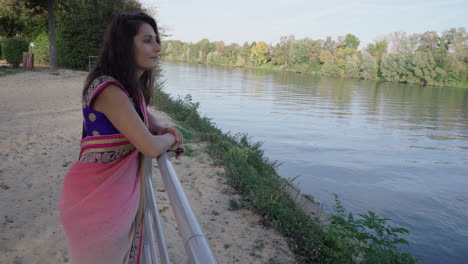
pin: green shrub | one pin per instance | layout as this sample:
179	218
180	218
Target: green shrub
366	239
12	50
331	69
80	29
41	48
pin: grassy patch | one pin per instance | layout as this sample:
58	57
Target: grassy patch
7	70
347	240
187	135
189	151
233	205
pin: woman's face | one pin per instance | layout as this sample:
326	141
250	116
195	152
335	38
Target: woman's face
146	48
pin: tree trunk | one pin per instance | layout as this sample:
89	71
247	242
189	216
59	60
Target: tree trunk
53	62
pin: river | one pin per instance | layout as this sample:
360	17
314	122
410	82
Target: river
399	150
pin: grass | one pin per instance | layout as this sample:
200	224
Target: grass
8	70
347	240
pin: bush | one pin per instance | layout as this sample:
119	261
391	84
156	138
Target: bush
41	48
368	66
80	28
366	239
331	69
12	50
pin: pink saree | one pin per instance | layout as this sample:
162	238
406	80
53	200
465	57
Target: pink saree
101	206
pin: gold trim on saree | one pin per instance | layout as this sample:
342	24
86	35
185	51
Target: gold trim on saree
106	155
103	141
105	150
95	85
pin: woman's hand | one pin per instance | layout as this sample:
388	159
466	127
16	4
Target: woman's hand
179	140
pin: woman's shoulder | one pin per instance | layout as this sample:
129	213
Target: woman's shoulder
103	79
97	85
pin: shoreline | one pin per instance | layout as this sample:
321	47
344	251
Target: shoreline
278	69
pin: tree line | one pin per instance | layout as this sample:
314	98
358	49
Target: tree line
70	31
429	58
65	31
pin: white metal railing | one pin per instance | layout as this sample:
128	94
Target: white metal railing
195	242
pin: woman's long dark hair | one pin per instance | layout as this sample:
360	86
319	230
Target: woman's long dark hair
116	57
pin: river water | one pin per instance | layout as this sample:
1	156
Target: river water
396	149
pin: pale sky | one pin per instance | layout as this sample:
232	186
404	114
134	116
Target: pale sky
268	20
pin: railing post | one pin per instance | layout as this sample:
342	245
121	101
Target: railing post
152	223
195	242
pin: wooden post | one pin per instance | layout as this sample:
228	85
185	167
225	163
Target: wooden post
28	60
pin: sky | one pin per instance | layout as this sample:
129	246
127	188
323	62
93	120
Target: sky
267	20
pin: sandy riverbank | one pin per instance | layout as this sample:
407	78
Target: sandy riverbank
40	117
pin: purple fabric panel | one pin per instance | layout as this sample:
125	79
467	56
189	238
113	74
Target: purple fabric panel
97	121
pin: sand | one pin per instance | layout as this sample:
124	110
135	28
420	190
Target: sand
40	118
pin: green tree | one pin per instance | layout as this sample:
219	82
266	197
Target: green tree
330	68
428	42
368	66
455	42
259	53
178	50
377	50
13	18
48	7
219	46
80	29
351	41
397	67
329	44
324	55
230	54
340	56
81	25
204	48
299	52
244	55
281	50
353	65
402	42
303	54
426	70
214	58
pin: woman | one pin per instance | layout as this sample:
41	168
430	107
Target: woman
101	206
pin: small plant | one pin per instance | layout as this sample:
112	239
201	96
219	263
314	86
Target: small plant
12	50
310	197
187	135
367	239
188	151
259	245
233	205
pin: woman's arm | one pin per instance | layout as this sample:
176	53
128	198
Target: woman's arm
155	126
114	103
